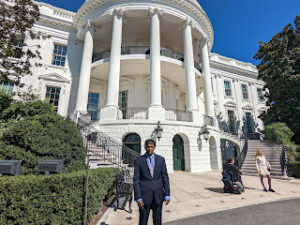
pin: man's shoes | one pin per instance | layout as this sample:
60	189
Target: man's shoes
265	189
272	190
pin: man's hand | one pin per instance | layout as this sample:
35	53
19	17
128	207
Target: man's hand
167	202
141	204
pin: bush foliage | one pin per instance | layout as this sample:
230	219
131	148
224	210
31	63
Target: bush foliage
40	137
20	110
53	199
5	101
281	133
278	132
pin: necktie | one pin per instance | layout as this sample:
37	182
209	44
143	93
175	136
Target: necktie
151	167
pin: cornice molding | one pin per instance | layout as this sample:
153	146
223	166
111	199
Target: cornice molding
191	7
232	65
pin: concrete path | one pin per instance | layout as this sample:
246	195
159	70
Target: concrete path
202	193
273	213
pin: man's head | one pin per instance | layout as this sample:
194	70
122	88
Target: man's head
150	145
230	160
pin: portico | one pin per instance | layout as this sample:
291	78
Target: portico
192	55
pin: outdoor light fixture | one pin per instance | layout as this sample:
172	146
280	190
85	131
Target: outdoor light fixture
10	167
51	166
205	132
157	131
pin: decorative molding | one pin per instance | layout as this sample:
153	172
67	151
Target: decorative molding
54	77
231	104
190	7
247	107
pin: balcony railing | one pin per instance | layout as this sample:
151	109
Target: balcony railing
144	50
178	115
133	113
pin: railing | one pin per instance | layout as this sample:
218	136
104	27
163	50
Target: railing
284	161
102	146
144	50
133	113
208	120
178	115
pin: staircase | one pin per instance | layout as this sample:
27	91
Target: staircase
272	152
102	150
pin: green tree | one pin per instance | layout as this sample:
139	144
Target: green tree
5	101
280	70
16	21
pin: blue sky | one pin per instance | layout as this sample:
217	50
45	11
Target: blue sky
238	24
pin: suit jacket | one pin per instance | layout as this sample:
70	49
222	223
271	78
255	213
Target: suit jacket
147	187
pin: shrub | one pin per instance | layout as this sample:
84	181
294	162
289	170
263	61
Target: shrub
53	199
40	137
278	132
294	169
5	101
20	110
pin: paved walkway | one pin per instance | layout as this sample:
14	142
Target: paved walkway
202	193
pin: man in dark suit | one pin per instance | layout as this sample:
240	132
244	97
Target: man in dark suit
151	184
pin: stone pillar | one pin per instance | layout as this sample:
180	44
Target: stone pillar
207	80
85	72
112	97
191	93
155	111
189	68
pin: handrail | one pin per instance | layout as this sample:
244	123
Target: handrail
144	50
108	149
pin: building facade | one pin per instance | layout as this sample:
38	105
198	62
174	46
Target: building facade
136	65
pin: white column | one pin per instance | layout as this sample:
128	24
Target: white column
189	68
85	72
111	108
155	71
155	111
207	80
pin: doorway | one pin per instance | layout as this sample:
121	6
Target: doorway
178	153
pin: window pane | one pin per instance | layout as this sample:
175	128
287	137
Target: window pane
6	87
59	55
93	102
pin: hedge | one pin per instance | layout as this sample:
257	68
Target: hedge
53	199
294	169
40	137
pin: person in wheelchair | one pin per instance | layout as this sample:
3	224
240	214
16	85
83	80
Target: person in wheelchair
232	178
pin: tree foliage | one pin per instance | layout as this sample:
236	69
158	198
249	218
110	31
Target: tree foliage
16	22
5	101
280	70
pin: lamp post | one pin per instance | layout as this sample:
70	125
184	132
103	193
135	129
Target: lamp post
157	133
204	131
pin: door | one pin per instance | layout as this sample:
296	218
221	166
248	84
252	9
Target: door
178	153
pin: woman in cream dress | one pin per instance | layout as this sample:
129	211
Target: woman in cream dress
263	167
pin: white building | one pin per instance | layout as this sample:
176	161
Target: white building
133	63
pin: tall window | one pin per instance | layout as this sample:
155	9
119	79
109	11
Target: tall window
250	123
260	95
7	87
93	103
59	55
231	121
227	87
17	47
123	102
244	91
53	94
